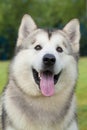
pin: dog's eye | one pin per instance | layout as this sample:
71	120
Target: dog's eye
38	47
59	49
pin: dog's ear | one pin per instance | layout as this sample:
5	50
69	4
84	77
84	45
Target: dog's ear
73	31
26	27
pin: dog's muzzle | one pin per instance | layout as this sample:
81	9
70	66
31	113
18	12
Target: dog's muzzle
46	79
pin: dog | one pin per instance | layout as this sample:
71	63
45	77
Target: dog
40	94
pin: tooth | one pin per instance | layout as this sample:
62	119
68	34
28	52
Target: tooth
39	75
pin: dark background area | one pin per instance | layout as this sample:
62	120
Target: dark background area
46	13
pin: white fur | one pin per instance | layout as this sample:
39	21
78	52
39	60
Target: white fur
27	26
73	126
72	29
10	128
28	59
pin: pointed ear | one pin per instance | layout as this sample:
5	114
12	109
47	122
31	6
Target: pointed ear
73	31
26	27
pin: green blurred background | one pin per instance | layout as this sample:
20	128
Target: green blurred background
47	14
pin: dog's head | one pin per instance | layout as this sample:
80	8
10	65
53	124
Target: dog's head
46	61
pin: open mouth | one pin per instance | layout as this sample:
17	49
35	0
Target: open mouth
46	81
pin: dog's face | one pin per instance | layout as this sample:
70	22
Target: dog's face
46	61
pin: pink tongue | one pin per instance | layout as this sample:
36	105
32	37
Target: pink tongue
47	84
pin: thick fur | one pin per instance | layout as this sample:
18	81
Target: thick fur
24	107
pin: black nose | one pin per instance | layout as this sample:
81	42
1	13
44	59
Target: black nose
49	60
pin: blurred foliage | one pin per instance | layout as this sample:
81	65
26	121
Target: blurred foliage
46	13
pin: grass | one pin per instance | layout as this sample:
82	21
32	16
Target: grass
82	94
3	74
81	91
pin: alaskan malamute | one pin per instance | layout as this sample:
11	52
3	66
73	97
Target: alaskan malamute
40	94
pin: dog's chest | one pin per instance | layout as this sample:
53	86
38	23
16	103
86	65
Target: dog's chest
32	116
35	113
